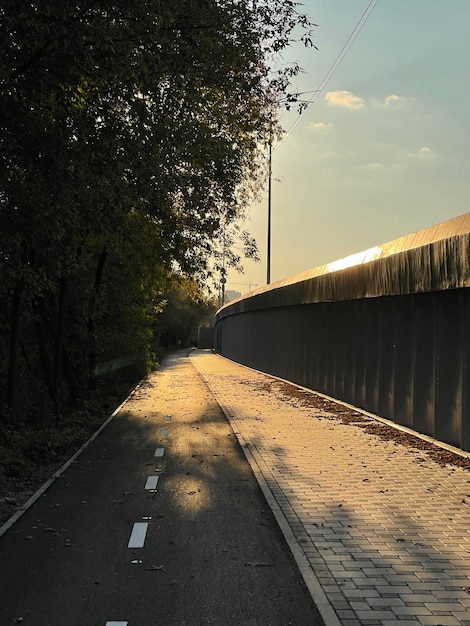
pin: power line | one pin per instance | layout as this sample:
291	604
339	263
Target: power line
333	67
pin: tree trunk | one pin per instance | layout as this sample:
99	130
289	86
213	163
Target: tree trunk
43	356
60	338
12	388
91	318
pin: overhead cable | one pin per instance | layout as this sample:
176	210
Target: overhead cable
333	67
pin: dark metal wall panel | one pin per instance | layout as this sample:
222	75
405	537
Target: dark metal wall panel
322	346
372	356
404	362
313	331
349	354
359	317
405	358
303	364
264	338
205	337
330	324
292	347
338	362
465	433
449	367
302	359
387	357
424	390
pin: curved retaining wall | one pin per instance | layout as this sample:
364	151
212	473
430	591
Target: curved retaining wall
387	330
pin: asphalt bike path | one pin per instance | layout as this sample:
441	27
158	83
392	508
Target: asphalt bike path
380	530
159	521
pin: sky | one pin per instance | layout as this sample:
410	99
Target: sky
383	150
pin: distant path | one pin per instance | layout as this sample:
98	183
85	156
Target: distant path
159	522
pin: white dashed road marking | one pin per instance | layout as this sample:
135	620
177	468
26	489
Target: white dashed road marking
159	452
137	538
151	482
116	623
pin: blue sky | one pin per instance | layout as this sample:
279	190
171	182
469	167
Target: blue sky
384	149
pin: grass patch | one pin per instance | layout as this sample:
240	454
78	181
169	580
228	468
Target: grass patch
32	449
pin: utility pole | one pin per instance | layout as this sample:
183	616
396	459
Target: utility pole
223	279
268	255
303	105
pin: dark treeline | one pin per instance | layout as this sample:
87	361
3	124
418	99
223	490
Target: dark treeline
131	137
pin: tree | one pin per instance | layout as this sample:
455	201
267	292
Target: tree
184	307
131	123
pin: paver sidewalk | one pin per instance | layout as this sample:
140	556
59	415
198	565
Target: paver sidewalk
382	531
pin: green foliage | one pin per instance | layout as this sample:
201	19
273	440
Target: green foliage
130	138
184	307
28	446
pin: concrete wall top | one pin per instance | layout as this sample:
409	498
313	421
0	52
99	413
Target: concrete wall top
433	259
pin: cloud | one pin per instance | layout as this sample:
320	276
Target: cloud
373	166
320	126
395	102
423	153
344	99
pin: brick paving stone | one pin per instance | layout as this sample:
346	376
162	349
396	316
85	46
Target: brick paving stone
435	620
374	614
370	515
385	602
439	607
346	614
416	598
449	594
426	586
425	575
359	606
402	611
361	593
395	589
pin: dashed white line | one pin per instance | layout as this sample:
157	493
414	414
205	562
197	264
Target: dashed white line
116	623
159	452
151	482
137	538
